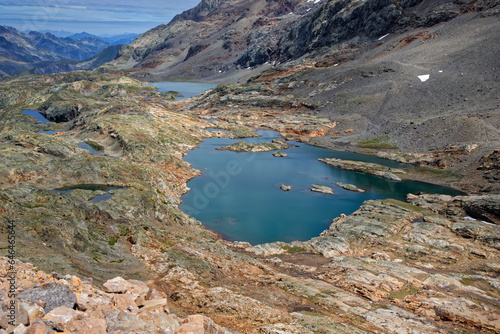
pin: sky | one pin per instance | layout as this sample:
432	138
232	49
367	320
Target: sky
99	17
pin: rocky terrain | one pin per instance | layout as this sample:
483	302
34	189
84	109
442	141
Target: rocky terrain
392	267
92	195
51	303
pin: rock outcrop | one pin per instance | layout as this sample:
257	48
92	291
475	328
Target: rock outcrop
350	187
276	144
366	167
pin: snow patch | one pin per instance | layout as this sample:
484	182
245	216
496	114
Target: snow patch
381	38
482	221
424	77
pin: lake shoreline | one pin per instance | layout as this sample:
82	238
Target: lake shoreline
189	201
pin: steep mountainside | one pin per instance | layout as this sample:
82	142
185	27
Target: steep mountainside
20	51
220	40
67	65
208	40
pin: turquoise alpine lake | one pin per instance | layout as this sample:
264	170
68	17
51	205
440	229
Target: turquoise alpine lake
238	195
187	89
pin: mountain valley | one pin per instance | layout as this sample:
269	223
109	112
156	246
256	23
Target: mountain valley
101	245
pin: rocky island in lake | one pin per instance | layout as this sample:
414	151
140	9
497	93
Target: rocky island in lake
276	144
395	95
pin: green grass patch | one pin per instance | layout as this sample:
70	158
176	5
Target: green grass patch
407	206
381	142
311	314
113	240
407	290
294	249
467	281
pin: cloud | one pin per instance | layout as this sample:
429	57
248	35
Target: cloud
52	14
152	7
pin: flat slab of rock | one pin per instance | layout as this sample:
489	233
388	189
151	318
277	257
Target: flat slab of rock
322	189
366	167
350	187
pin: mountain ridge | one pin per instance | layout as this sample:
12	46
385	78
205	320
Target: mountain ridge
254	33
21	53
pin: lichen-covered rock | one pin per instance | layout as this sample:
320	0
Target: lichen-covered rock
53	294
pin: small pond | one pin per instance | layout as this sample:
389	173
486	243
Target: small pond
187	89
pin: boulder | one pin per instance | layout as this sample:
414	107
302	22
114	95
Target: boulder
116	285
37	327
127	322
280	154
160	305
60	317
87	326
284	187
53	294
125	302
199	324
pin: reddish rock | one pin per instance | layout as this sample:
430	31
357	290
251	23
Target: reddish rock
60	317
125	302
88	326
